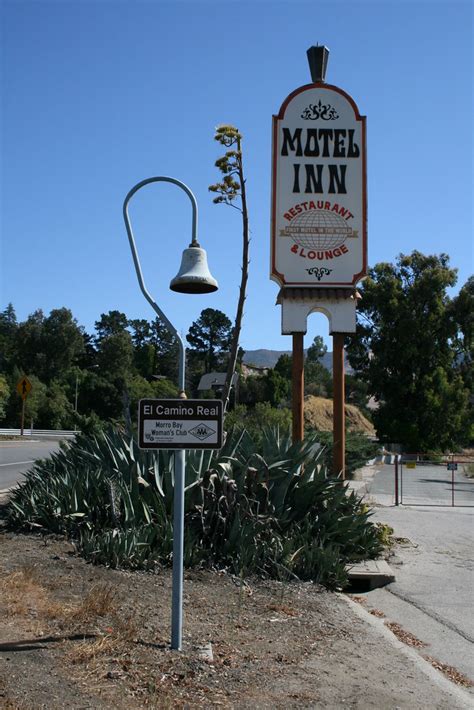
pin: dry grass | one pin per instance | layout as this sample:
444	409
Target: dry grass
86	652
376	612
318	413
405	636
450	672
358	599
99	601
23	594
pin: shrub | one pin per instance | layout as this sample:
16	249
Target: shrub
265	507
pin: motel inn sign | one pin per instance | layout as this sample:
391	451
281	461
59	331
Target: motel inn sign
319	202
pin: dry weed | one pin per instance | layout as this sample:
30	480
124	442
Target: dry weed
376	612
87	651
450	672
99	601
405	636
358	599
22	593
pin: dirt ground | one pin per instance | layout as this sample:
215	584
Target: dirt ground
77	636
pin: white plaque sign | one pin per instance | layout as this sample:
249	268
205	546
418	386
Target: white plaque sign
180	424
319	200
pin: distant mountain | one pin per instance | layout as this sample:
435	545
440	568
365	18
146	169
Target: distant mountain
269	358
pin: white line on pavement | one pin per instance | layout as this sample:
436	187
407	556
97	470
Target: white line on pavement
16	463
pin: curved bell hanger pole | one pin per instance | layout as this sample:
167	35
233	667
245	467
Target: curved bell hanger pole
138	269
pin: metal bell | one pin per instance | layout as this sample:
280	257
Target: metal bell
194	275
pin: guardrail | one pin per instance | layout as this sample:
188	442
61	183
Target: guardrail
45	433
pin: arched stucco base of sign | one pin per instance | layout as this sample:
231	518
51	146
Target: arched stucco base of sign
337	304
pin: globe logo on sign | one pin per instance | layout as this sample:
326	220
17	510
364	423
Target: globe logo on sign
318	229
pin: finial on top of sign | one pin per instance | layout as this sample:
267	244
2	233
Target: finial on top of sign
318	62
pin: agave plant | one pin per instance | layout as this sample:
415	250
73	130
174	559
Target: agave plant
269	508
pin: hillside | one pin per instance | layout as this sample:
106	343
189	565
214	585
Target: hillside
318	414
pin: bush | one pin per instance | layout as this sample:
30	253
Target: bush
255	420
359	450
251	508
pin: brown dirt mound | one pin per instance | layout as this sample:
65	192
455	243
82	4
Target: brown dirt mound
318	414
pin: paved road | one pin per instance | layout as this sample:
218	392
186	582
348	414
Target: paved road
435	485
16	457
423	485
433	595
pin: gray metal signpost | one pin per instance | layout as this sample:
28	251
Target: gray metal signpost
193	277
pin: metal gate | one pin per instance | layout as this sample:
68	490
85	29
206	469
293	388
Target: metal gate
421	480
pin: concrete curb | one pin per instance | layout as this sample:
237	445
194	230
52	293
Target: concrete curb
463	699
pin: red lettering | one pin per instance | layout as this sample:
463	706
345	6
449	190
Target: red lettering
327	205
344	249
328	254
336	252
294	248
287	216
335	208
311	255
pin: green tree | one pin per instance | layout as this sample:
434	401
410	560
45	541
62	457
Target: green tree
403	351
55	410
284	366
232	190
143	350
210	336
317	350
462	309
8	328
317	378
166	351
111	323
29	354
62	343
4	396
277	388
115	359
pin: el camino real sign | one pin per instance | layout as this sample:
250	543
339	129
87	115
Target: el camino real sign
180	424
319	200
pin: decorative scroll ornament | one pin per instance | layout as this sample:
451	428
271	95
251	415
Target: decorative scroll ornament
324	111
319	272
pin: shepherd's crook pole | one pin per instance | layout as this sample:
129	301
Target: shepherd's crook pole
179	455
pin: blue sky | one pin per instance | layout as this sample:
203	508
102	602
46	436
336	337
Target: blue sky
98	95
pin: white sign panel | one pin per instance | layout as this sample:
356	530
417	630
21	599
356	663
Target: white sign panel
319	202
180	424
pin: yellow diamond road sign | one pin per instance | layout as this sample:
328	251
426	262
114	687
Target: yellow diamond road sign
23	387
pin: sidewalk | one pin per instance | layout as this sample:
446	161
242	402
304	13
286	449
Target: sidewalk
431	597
